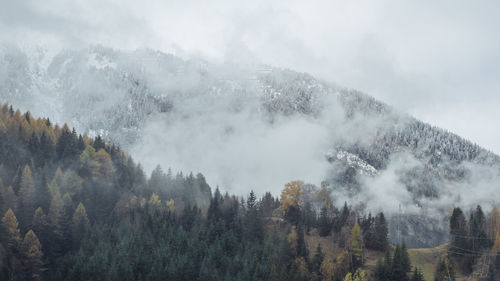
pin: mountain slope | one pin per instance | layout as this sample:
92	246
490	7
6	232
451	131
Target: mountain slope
254	126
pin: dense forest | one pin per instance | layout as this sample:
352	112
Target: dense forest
75	207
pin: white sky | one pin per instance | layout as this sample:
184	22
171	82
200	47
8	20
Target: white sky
437	60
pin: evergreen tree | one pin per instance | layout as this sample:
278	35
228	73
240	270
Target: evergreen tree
317	261
41	226
81	224
324	224
47	149
98	143
33	256
356	247
479	239
254	229
27	193
458	230
344	215
9	199
56	217
400	263
11	224
268	205
382	271
380	239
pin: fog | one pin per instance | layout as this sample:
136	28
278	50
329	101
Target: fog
435	60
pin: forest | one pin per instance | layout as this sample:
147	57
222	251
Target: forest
75	207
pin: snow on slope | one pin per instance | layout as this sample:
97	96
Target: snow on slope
249	126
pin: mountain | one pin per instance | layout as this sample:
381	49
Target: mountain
256	126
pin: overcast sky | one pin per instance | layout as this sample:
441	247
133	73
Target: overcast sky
437	60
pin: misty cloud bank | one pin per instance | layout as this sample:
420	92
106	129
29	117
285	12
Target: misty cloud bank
244	126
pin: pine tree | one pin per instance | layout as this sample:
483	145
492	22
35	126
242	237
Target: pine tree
47	148
43	194
9	198
477	223
356	247
324	224
458	231
33	256
254	229
12	226
98	144
41	226
317	260
381	272
380	239
57	225
400	263
301	243
27	193
81	224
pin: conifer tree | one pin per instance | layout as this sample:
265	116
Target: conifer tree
33	256
47	148
42	194
317	260
458	231
479	239
81	224
380	233
27	193
8	197
57	225
400	263
324	224
356	247
253	222
11	224
41	226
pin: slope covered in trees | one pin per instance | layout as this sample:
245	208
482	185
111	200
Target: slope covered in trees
79	208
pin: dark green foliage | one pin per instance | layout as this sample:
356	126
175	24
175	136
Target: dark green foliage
268	204
98	143
164	251
380	234
479	239
458	230
324	223
67	146
395	268
253	223
292	215
375	232
342	219
468	238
